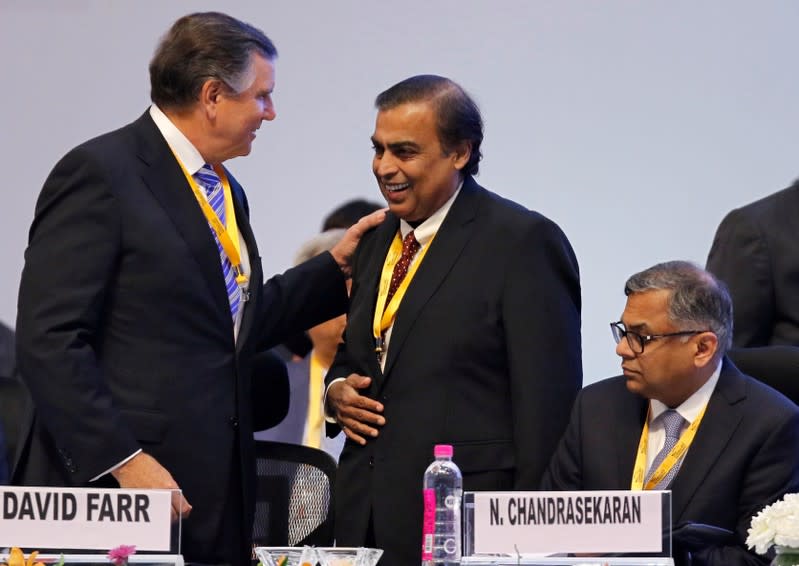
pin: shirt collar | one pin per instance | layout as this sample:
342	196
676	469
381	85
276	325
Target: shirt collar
183	149
691	407
425	231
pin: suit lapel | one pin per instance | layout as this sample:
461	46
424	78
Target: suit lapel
445	249
165	180
256	269
718	426
627	436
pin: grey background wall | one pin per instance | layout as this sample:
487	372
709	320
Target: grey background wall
636	125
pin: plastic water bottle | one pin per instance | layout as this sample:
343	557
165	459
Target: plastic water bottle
442	491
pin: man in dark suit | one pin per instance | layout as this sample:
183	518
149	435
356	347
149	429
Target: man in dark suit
755	254
479	346
142	301
741	436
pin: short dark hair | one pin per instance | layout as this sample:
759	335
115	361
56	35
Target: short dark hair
202	46
457	115
697	298
348	213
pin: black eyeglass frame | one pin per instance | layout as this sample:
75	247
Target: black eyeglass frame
618	331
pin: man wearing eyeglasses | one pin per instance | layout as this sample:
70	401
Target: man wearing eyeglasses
682	417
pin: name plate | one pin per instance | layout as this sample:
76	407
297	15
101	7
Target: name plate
84	518
555	522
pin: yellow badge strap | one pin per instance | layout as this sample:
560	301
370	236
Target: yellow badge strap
228	234
385	313
669	461
313	428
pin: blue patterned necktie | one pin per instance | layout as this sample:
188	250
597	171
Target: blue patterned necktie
672	423
207	178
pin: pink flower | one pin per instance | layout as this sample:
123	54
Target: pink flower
120	554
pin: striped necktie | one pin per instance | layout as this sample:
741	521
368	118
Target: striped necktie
207	178
672	424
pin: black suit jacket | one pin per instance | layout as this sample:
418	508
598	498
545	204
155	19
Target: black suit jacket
125	337
756	255
744	456
484	355
4	457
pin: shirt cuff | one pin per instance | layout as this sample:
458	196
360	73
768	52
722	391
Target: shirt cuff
112	468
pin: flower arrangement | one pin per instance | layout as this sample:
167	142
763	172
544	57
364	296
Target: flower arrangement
777	524
118	556
17	558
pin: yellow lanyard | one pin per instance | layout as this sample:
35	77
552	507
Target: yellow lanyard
385	313
313	428
228	235
671	460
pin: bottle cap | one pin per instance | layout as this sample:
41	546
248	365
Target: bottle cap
442	451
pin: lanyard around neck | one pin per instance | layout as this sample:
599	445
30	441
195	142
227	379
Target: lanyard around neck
385	313
671	460
228	235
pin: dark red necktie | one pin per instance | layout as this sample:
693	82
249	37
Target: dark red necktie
409	248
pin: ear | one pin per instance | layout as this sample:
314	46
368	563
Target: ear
461	154
210	94
707	344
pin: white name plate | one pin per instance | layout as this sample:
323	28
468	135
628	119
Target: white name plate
549	522
84	518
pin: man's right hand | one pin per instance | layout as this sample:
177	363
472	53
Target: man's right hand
357	415
343	251
144	472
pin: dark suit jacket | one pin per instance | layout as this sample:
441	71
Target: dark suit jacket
125	337
8	357
755	254
4	458
484	355
744	456
8	413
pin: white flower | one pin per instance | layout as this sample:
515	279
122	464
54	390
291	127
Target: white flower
777	523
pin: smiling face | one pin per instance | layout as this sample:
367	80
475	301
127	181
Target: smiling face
235	116
414	172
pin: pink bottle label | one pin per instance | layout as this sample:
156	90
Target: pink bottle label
429	523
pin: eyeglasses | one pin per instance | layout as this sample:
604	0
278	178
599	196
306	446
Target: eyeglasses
638	341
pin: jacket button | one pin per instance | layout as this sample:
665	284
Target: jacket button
371	462
234	422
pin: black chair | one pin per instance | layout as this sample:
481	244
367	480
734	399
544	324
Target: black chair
294	495
777	366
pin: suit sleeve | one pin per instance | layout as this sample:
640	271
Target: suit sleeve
311	293
740	257
564	472
74	244
772	472
541	313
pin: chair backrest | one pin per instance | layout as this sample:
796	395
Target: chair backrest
777	366
294	495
